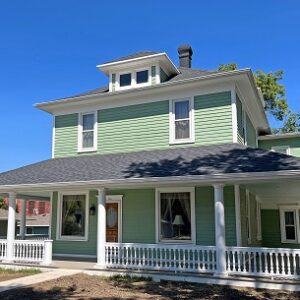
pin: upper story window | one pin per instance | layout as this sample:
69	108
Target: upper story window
142	76
289	223
281	149
181	121
125	79
87	132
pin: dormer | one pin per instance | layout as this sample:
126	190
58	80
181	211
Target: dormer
138	70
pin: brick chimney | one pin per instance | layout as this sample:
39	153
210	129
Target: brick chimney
185	56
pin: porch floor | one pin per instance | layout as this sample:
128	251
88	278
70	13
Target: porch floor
73	265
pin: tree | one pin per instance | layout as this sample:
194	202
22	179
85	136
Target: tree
272	91
3	204
291	122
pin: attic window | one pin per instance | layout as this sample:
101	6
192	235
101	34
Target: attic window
142	76
125	79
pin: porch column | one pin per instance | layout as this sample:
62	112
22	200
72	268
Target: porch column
220	229
11	227
101	226
23	219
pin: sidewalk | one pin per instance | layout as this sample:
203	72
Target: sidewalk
33	279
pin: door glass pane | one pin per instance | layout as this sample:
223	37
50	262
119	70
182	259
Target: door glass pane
290	232
125	79
182	109
88	139
289	218
73	215
142	76
88	122
182	129
175	216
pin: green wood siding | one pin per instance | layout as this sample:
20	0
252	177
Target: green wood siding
163	75
271	236
146	126
293	143
153	75
66	135
213	119
251	133
240	120
205	222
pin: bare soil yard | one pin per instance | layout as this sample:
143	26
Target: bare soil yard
92	287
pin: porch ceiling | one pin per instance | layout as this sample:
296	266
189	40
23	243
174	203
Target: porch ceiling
198	165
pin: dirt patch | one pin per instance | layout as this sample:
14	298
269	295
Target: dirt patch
7	274
82	286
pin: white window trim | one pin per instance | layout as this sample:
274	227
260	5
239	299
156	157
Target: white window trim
80	132
59	237
282	147
191	139
190	190
133	84
258	219
117	199
282	210
248	214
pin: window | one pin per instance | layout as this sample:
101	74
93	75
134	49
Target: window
181	121
29	230
289	221
281	149
176	215
42	206
88	134
125	79
31	207
73	217
142	76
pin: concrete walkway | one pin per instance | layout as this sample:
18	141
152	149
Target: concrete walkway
34	279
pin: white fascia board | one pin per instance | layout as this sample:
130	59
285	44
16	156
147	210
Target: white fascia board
49	106
192	180
129	63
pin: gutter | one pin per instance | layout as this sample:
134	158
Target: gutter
279	136
199	180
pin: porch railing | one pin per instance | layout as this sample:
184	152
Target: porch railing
183	258
31	252
273	262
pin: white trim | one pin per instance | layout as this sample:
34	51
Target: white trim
80	132
248	216
172	139
238	228
157	74
190	190
279	149
258	219
234	116
289	208
245	125
53	137
279	136
59	237
119	200
51	214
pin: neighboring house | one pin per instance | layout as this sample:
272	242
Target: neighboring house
161	170
3	222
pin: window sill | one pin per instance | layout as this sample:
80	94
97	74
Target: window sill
289	242
87	150
179	142
176	242
75	239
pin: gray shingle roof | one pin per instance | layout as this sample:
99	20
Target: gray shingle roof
205	160
132	56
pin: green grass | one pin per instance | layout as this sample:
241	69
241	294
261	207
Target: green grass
26	272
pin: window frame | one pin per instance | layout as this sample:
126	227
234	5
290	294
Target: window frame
73	238
158	191
119	80
81	131
172	128
282	211
281	147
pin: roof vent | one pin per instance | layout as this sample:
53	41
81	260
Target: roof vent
185	56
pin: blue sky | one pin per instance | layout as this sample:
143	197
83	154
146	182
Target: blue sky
49	49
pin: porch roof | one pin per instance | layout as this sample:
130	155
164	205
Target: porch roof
184	162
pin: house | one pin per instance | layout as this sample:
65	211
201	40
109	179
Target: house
161	170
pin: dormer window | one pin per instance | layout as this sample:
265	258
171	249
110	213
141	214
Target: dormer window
125	79
142	76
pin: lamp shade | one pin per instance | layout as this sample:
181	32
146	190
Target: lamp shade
178	220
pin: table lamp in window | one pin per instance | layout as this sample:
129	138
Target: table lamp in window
178	221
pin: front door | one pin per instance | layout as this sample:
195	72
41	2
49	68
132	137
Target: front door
112	222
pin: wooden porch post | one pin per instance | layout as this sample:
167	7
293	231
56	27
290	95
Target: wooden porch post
101	226
11	227
220	229
23	220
